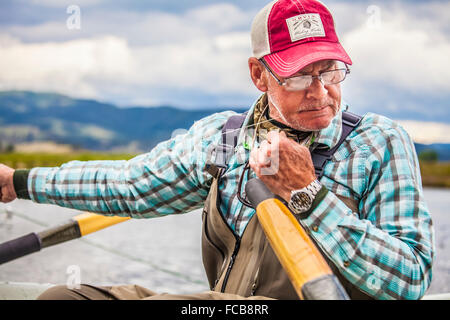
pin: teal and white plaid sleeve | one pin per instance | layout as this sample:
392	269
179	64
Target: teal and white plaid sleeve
386	249
170	179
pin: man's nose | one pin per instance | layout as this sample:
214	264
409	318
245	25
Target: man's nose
316	90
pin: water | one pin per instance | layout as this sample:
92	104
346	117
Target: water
438	201
162	254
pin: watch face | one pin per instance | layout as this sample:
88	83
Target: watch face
303	198
301	201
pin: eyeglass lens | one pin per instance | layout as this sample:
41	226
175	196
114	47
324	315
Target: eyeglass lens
327	77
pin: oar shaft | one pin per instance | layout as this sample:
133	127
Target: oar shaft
76	227
90	223
295	249
69	230
308	271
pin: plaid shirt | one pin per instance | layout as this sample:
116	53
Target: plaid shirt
386	249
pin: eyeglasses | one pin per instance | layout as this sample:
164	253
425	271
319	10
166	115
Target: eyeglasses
302	82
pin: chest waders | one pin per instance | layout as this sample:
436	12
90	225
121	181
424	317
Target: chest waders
247	265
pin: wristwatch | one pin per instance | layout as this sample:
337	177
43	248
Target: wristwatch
302	199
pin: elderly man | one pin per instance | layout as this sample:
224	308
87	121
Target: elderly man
364	206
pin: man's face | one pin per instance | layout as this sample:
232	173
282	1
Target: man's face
310	109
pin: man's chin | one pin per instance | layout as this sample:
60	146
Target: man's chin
314	120
314	124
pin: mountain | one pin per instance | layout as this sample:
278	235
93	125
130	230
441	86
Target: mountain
441	149
88	124
27	116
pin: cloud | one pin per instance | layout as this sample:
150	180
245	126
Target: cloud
198	57
152	56
65	4
402	50
104	67
139	55
140	28
400	56
426	132
63	67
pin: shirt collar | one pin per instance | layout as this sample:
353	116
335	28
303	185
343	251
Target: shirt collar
330	135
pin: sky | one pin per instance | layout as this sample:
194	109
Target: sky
193	54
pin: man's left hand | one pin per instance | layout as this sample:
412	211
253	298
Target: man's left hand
282	164
7	192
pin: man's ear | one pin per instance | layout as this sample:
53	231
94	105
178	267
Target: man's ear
257	74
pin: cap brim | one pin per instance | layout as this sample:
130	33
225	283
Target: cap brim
288	62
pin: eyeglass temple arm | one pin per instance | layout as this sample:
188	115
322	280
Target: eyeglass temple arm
270	71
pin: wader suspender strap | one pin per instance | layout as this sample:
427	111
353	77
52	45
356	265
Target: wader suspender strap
218	164
230	133
320	156
223	151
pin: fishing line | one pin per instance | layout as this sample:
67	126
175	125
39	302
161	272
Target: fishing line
269	97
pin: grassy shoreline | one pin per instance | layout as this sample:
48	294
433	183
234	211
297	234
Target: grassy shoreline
19	160
434	174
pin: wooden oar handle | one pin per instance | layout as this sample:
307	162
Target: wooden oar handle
308	271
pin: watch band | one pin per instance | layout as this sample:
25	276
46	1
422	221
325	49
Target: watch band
314	187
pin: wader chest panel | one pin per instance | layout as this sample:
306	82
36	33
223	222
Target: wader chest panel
247	265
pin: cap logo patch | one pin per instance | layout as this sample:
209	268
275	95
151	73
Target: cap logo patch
305	26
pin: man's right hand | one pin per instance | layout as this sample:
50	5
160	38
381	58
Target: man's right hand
7	192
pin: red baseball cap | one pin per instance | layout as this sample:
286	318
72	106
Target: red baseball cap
291	34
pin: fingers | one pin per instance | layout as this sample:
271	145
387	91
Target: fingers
4	196
253	162
264	153
274	136
7	192
7	195
261	156
264	159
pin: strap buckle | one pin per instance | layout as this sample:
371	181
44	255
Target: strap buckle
350	119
